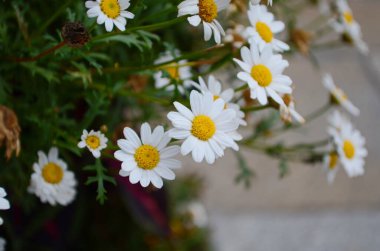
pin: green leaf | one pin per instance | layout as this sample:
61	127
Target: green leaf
245	173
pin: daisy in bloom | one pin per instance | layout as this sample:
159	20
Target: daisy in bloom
207	129
237	36
331	165
348	26
205	11
110	12
4	203
336	120
51	181
175	71
288	111
264	28
338	96
95	142
148	159
263	73
350	146
215	88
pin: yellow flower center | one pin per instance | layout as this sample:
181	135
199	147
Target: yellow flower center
348	149
111	8
93	141
203	127
262	75
52	173
173	71
333	160
264	31
147	157
338	96
348	17
208	10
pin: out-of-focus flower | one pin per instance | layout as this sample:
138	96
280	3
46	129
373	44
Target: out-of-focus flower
263	73
95	142
51	181
302	40
207	129
237	36
197	212
331	165
149	159
110	12
336	120
176	71
205	11
4	204
338	96
264	28
288	111
3	243
75	34
9	131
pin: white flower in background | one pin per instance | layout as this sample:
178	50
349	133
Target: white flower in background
288	111
110	12
336	120
264	28
338	95
51	181
3	243
331	165
215	88
350	145
263	73
4	204
148	159
348	26
205	11
95	142
207	129
237	36
174	70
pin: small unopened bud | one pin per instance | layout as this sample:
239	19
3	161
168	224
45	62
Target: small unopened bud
75	34
104	129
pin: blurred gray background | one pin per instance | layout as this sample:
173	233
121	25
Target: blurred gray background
301	211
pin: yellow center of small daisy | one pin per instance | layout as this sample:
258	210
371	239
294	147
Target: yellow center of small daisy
203	127
147	157
262	75
348	149
93	141
172	71
264	31
208	10
111	8
216	97
333	160
52	173
348	17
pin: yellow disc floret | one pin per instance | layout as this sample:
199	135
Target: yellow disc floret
208	10
93	141
111	8
264	31
348	149
203	127
333	160
348	17
262	75
147	157
52	173
173	71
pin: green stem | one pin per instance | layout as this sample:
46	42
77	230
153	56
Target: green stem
241	88
255	108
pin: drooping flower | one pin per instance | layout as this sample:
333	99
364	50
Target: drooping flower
94	141
176	71
263	73
110	12
207	129
205	11
4	203
149	159
338	96
215	88
288	111
264	28
51	181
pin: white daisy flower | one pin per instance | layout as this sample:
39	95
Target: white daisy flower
215	88
264	28
207	129
4	203
95	142
331	165
348	26
288	111
237	36
350	145
205	11
51	181
256	2
110	12
263	73
339	96
336	120
174	70
148	159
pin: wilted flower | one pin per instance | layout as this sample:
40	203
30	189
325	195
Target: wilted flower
75	34
9	131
